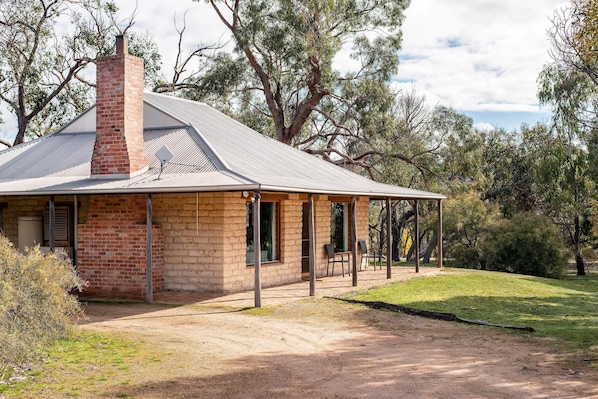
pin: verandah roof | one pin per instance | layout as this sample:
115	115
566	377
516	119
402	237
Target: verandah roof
212	152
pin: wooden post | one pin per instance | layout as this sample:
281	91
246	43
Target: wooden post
149	289
52	223
354	238
257	249
75	229
416	238
439	250
312	246
388	239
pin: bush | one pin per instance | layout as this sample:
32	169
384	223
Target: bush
35	305
466	257
467	220
526	244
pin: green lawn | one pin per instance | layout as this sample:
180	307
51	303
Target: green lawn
564	309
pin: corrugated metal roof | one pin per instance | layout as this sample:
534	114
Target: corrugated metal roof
66	154
212	152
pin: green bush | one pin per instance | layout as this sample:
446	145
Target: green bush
467	220
466	257
35	305
526	244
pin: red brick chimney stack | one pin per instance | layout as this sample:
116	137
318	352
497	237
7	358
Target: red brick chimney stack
119	150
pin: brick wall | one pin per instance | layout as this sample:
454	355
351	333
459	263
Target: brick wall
112	248
119	150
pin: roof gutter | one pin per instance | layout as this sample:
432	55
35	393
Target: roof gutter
228	188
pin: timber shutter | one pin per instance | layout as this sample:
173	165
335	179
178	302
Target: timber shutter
61	224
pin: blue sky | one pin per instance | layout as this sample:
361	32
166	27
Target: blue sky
480	57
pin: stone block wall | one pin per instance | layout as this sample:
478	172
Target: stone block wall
204	239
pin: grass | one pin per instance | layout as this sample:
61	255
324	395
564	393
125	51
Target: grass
80	366
561	309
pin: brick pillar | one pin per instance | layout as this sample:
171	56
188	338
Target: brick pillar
119	150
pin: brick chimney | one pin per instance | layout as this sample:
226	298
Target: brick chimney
119	150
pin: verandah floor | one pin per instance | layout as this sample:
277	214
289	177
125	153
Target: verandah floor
325	286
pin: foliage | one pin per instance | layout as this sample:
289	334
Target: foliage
564	309
572	77
43	68
467	222
565	157
35	305
286	77
526	244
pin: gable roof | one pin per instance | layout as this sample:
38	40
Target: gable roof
212	152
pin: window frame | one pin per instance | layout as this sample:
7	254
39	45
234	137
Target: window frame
275	232
346	228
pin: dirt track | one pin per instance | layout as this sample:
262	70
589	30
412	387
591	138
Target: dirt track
320	348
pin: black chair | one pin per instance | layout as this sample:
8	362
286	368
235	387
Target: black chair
337	257
366	254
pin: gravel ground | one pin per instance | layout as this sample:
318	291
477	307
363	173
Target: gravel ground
319	348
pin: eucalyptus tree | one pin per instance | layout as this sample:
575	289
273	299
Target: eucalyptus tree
299	66
572	76
563	182
569	84
45	49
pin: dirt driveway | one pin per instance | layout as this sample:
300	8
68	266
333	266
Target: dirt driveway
321	348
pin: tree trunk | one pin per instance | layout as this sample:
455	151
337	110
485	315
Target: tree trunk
430	248
579	263
398	226
22	122
410	252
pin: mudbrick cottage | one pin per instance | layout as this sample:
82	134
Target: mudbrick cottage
148	192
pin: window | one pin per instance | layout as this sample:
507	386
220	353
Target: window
268	230
339	226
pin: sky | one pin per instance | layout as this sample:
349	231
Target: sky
479	57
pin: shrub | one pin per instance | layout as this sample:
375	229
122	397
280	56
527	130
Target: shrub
467	220
35	305
526	244
466	257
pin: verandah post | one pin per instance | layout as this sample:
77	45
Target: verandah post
312	246
388	239
354	238
257	253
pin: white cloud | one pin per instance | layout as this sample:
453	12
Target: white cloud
203	27
484	126
477	55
